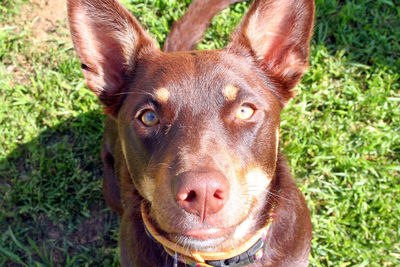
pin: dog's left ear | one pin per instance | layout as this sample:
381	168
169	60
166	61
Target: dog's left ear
276	33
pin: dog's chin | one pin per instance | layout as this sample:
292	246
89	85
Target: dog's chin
205	245
202	239
214	239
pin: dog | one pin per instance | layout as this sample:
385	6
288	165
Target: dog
191	140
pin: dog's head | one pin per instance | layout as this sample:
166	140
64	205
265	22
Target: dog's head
198	129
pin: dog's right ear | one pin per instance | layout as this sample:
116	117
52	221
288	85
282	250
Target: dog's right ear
108	40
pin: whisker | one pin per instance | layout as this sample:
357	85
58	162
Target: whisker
277	195
136	93
161	164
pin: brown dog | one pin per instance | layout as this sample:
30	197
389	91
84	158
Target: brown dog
191	151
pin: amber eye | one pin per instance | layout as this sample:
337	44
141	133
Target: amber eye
245	112
149	118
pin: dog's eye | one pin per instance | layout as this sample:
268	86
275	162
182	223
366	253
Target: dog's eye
149	118
245	112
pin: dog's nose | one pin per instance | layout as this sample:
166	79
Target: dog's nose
201	192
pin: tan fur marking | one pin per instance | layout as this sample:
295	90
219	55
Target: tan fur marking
148	187
242	229
162	95
230	92
257	181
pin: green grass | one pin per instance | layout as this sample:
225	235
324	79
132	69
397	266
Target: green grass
341	135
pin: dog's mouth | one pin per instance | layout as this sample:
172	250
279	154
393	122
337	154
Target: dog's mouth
200	239
199	234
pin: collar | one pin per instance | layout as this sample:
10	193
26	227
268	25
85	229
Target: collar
248	252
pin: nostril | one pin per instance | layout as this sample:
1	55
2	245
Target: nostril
191	196
219	194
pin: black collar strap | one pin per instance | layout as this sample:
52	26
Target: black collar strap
251	250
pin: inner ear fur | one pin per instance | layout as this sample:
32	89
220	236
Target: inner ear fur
276	34
108	41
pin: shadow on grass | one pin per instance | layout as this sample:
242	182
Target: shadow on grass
50	196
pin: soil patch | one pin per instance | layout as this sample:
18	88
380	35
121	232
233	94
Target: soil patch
46	18
42	24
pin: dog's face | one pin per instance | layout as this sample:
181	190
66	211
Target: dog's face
201	117
198	130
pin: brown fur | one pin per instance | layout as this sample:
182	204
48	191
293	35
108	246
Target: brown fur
197	133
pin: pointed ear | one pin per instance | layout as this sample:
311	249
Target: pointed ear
276	33
108	40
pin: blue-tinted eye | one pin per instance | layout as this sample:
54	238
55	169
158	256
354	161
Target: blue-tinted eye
149	118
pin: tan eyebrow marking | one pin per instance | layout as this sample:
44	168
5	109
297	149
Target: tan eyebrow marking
162	95
230	92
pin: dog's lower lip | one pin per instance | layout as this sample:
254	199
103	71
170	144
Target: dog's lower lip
207	233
